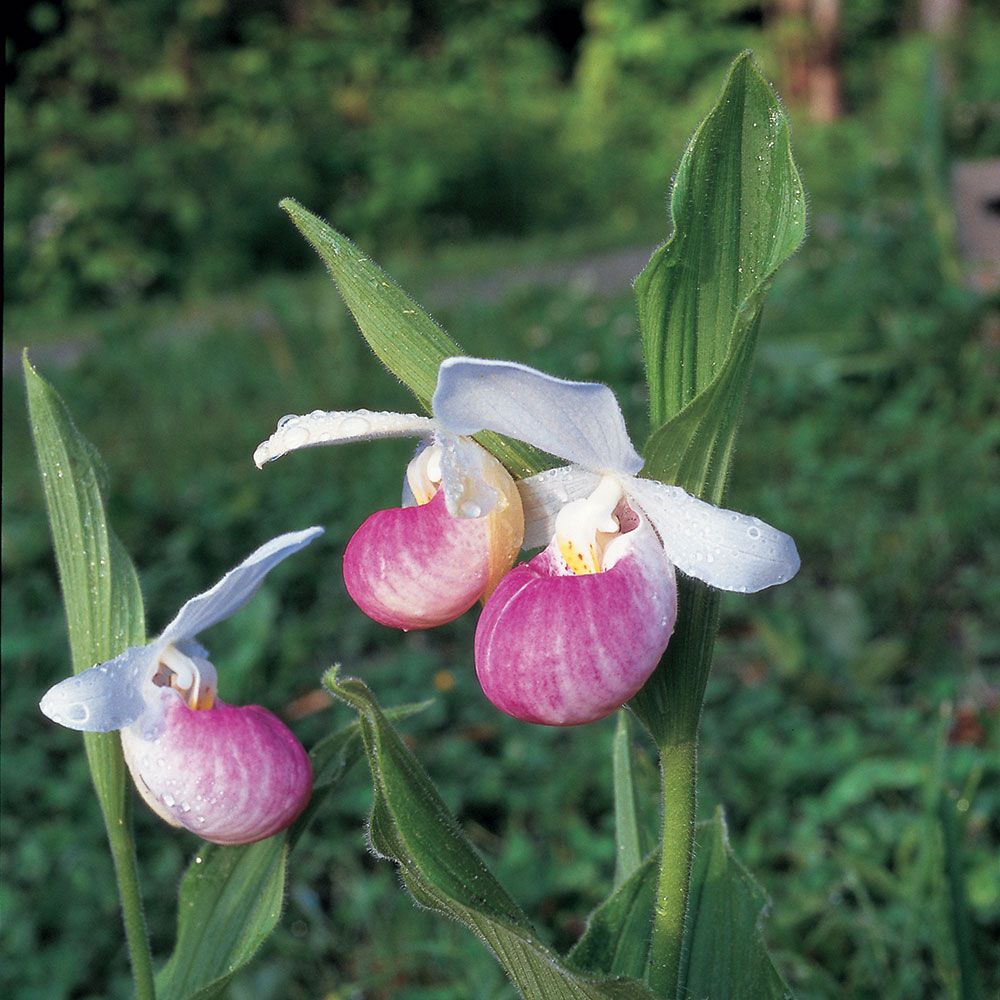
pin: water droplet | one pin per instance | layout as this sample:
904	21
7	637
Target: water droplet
168	800
78	712
355	424
286	419
753	531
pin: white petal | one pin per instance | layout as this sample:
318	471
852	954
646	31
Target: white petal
580	422
338	427
466	492
544	495
727	550
235	588
105	697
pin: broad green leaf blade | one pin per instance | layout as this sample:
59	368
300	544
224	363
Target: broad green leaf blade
738	212
101	595
617	937
240	889
402	334
333	756
230	900
411	825
104	615
724	953
628	832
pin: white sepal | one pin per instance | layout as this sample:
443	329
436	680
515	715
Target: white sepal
545	494
580	422
338	427
727	550
104	697
235	588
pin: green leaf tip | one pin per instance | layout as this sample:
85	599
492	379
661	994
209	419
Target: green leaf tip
737	212
401	333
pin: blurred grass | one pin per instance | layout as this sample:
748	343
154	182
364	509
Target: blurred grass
870	436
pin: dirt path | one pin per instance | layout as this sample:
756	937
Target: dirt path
604	274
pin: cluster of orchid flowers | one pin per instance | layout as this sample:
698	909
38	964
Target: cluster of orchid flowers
565	638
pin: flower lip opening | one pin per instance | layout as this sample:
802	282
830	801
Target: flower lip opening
585	528
424	474
193	678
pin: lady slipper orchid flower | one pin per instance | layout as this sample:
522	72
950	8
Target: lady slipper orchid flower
458	531
573	634
232	775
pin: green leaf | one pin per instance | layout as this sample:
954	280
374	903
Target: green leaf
333	756
231	897
403	335
628	830
104	615
725	957
230	900
100	588
618	932
411	825
738	212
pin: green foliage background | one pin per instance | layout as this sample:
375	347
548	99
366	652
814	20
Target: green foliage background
147	146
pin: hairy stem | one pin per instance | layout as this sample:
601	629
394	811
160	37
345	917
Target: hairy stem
679	772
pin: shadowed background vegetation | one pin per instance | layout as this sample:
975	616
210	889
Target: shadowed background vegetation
851	727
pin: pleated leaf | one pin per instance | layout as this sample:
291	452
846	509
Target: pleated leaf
100	588
738	212
401	333
618	932
411	825
725	955
230	900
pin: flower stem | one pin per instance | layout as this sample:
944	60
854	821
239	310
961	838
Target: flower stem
678	772
122	842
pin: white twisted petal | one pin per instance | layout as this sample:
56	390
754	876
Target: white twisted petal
730	551
235	588
104	697
338	427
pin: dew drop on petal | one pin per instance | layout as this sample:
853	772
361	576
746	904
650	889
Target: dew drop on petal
355	424
78	713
